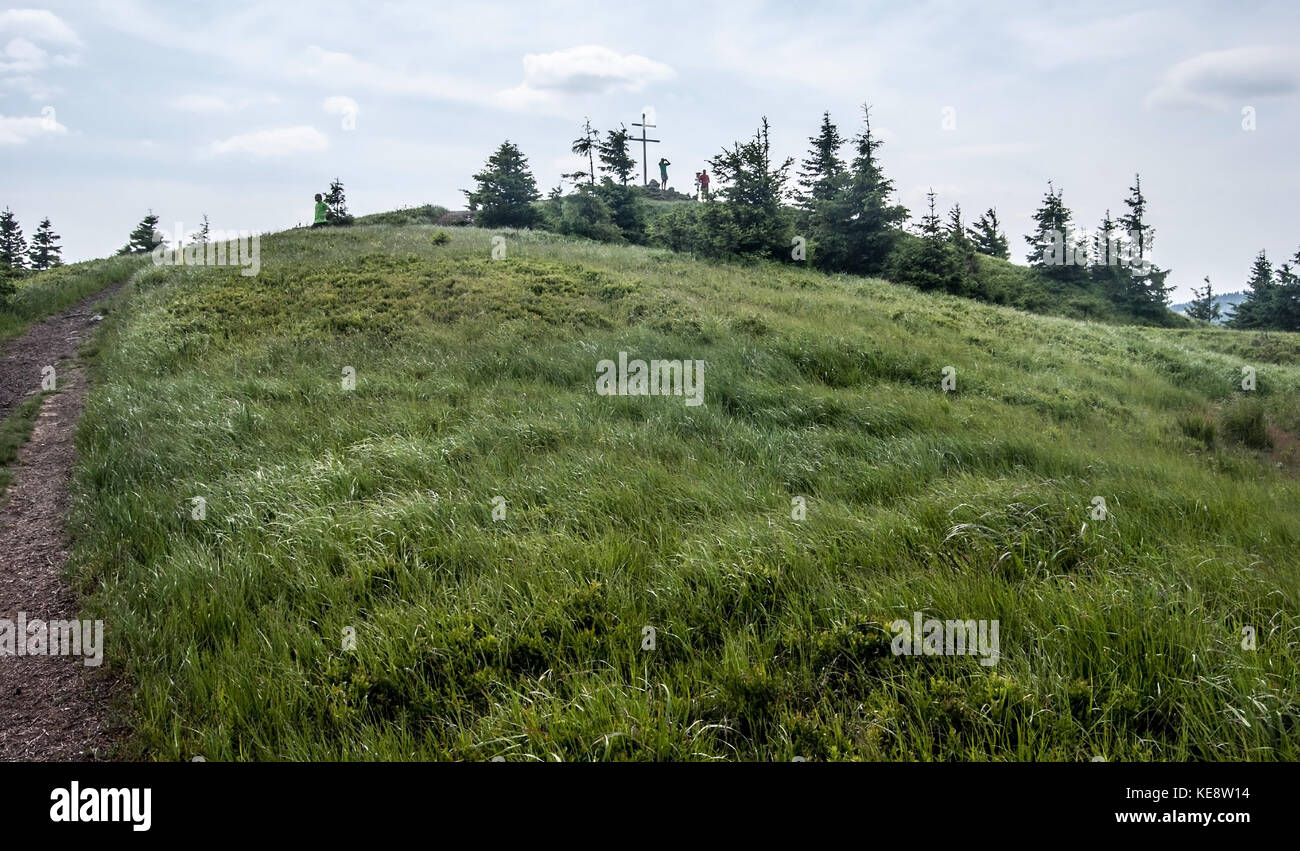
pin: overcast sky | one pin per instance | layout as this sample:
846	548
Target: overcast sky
243	111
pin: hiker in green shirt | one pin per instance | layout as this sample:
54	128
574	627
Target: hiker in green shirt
321	211
663	172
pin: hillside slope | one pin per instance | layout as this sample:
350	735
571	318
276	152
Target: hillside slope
497	538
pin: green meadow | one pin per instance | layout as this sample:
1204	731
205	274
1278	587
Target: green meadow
423	535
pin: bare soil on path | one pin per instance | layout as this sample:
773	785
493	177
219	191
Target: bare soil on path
51	707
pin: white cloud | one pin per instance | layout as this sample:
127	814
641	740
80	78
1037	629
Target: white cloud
340	105
37	24
336	68
281	142
585	70
201	103
36	89
592	69
20	56
16	131
1223	79
219	103
1051	41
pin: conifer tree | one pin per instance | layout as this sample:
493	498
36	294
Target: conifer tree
987	236
45	252
963	249
856	229
1148	294
506	190
755	187
145	236
1258	308
1134	221
1203	306
955	230
1108	254
1051	250
336	205
821	172
1286	315
587	146
615	158
13	247
204	234
931	263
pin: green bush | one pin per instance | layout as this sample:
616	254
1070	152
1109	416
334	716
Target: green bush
585	213
676	229
626	209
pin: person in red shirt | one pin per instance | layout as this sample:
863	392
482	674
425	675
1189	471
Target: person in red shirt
704	185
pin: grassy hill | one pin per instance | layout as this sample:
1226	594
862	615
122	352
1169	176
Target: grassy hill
497	537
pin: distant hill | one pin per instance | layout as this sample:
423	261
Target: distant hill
1227	303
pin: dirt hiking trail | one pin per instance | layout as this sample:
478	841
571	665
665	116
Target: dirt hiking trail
51	707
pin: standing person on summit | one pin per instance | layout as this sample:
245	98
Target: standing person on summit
663	173
322	213
704	185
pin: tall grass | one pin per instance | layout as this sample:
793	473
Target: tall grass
43	294
373	512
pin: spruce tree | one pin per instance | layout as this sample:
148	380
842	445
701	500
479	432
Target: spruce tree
1203	306
1134	221
203	235
931	226
1148	294
1106	272
45	252
963	249
857	228
336	205
145	236
754	188
1051	248
987	236
614	156
626	208
1106	243
587	145
821	172
506	190
1258	308
13	247
1286	315
931	263
955	230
